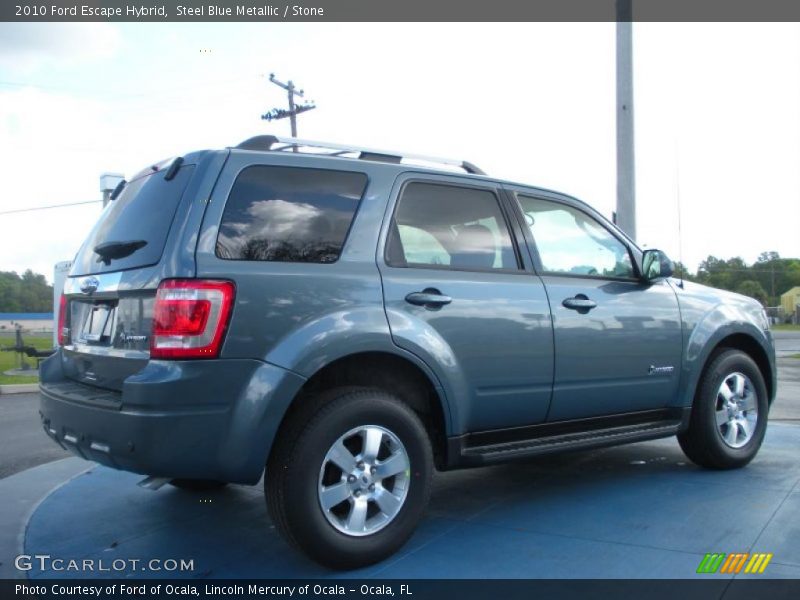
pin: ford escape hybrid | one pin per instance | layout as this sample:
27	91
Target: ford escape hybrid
344	321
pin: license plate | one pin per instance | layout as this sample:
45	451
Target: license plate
94	328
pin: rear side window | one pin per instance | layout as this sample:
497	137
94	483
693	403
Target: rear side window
289	214
445	226
142	216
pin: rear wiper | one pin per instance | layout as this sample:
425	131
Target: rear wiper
109	251
118	190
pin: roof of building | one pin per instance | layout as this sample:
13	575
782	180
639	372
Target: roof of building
795	291
26	316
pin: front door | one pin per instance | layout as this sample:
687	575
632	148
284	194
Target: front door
457	295
617	338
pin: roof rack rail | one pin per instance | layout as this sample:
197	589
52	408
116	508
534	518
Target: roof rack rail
278	144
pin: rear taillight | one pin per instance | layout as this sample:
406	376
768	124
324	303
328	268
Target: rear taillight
63	332
190	317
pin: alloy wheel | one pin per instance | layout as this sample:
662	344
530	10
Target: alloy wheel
364	480
736	410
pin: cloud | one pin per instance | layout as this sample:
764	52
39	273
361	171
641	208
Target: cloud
274	220
30	47
278	218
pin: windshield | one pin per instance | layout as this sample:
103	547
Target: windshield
132	230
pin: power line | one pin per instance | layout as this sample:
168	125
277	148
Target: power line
22	210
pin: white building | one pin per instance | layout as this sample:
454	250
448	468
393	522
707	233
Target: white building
33	322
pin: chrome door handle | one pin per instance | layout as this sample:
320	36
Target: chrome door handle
429	298
580	303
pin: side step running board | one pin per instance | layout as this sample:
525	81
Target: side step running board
598	438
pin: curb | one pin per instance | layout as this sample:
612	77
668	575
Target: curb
19	388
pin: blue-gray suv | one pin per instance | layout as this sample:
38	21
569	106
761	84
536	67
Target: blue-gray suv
344	321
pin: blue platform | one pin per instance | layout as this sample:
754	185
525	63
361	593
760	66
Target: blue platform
640	511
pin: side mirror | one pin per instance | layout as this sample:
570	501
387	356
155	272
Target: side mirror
656	265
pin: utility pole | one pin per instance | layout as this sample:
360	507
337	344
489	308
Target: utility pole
772	273
626	172
294	109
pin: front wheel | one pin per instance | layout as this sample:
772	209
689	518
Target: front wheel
349	483
729	415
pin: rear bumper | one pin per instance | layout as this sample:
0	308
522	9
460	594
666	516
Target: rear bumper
210	419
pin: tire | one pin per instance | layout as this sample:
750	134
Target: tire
197	485
723	434
303	468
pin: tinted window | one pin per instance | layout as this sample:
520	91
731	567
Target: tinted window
143	212
569	241
289	214
447	226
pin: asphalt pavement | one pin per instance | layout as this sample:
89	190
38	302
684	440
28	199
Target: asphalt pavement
787	403
786	342
23	443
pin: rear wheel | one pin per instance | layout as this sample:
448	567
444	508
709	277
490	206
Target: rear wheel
729	415
348	484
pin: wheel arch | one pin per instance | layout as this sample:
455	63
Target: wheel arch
752	348
400	375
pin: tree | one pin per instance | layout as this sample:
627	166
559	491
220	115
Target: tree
28	293
719	273
766	257
774	275
681	272
753	289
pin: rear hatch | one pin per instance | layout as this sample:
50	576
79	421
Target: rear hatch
111	290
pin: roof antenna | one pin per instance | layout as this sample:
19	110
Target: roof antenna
678	200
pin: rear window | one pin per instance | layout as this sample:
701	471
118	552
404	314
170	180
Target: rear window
143	212
289	214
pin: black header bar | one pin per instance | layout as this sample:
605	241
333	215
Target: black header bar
413	589
275	11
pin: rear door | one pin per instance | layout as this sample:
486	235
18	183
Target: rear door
617	337
458	294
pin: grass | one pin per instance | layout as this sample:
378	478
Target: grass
794	355
10	360
786	327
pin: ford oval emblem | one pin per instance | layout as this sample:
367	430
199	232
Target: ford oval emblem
89	285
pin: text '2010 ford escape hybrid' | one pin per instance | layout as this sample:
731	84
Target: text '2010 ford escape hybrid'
349	322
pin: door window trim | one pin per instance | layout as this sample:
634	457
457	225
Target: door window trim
495	190
514	195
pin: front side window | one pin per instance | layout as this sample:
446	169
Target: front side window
289	214
571	242
445	226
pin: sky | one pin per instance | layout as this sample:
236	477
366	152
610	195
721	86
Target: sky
717	115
